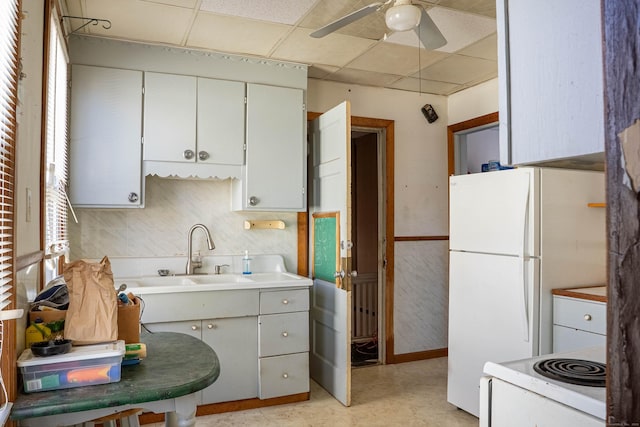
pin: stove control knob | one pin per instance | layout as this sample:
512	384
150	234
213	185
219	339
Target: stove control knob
587	317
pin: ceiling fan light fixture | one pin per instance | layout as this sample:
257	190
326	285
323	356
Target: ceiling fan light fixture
402	17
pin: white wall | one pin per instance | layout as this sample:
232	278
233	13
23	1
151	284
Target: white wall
473	102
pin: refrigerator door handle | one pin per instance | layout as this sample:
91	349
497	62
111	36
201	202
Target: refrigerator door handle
523	308
525	204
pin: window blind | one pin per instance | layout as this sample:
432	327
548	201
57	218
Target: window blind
8	102
9	26
57	152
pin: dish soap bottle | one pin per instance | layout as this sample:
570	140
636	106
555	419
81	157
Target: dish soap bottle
246	263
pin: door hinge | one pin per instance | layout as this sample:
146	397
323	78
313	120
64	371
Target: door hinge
245	100
142	140
304	107
143	90
244	147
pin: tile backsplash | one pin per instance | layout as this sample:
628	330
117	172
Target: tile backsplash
172	206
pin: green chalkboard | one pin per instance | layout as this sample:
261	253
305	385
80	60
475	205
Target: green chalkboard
325	231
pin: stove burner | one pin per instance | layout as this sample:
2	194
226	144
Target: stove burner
573	371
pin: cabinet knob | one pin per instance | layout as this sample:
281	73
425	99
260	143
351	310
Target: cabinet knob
211	326
285	334
188	154
285	301
285	375
133	197
194	327
253	200
203	155
587	317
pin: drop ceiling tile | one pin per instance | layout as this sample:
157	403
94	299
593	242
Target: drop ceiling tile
231	34
334	49
425	86
395	59
369	78
459	28
278	11
139	20
481	7
458	69
486	48
319	71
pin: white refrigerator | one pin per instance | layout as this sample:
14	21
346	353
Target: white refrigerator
515	235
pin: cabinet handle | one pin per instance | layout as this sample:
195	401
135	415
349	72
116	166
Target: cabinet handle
203	155
133	197
194	327
285	334
253	200
188	154
211	326
587	317
285	375
285	301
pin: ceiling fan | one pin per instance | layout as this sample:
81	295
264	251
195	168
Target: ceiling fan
401	16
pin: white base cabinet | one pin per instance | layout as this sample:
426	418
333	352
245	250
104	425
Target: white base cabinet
283	338
261	337
578	323
235	342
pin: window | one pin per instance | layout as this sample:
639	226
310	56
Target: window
56	239
9	30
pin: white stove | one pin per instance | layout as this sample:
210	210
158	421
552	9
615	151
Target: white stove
514	393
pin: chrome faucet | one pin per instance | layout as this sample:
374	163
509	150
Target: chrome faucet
191	264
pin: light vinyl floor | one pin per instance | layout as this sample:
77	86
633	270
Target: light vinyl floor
404	394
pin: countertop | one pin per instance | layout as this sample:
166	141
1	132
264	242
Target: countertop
591	293
210	282
176	365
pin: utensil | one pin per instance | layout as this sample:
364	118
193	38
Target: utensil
50	348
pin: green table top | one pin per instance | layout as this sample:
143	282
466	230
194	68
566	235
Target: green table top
176	365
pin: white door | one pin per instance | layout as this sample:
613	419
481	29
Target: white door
330	208
492	317
494	212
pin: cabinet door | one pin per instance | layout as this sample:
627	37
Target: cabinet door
235	341
276	149
169	117
551	83
105	137
220	122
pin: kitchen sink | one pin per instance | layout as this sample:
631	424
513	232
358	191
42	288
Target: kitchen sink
220	278
204	279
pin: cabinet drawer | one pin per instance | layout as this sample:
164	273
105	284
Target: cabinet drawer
569	339
284	301
283	333
284	375
580	314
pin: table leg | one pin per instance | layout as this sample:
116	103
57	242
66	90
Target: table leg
184	414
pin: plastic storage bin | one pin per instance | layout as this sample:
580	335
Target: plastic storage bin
84	365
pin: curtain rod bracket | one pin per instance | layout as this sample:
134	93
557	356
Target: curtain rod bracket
106	23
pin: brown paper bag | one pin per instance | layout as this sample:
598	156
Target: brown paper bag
129	321
92	316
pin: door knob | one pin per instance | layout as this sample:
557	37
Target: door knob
203	155
188	154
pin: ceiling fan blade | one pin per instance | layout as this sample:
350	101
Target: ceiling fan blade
428	32
346	20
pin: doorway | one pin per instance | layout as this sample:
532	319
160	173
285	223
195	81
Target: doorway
472	143
367	168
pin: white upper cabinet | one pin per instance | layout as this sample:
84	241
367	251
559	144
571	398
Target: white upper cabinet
551	81
105	137
193	120
274	176
169	117
220	121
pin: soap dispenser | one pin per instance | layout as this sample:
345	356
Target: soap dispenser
246	263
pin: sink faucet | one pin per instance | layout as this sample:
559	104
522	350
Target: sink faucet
191	264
